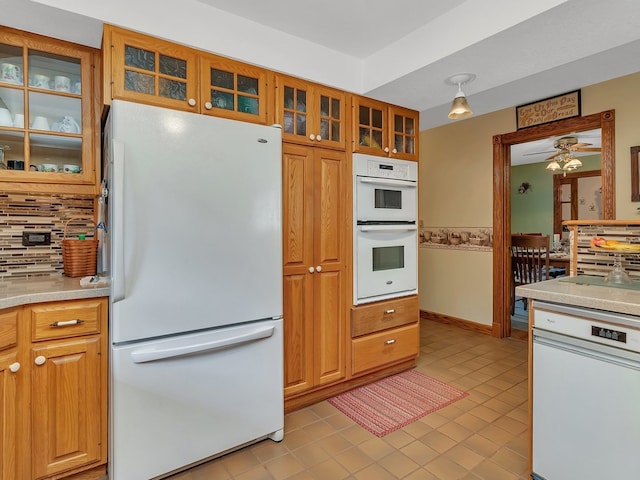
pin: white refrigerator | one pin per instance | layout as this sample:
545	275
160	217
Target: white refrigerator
193	242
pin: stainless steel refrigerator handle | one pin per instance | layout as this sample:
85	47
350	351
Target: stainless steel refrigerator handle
388	181
117	227
387	228
152	355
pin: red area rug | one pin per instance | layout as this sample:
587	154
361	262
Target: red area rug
393	402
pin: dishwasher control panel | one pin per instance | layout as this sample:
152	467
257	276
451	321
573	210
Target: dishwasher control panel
614	335
607	328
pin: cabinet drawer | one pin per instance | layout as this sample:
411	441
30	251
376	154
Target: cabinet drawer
384	315
378	349
66	319
9	328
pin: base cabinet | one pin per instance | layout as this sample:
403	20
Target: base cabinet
53	391
384	333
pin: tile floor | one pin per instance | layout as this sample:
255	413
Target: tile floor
483	436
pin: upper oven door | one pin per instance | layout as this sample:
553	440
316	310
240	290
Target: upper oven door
385	200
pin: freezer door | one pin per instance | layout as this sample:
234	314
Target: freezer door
183	399
194	220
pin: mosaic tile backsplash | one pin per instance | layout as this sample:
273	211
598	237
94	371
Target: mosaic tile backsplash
591	262
40	213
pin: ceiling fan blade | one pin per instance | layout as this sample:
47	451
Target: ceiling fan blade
579	145
537	153
554	156
588	149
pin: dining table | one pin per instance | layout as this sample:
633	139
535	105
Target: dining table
559	260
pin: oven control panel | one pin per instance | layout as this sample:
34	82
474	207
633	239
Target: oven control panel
371	166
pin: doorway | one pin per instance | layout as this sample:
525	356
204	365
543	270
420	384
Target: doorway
502	198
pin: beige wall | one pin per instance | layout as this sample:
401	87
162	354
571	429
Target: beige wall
456	190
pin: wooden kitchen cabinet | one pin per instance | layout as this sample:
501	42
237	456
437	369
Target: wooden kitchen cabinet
49	135
310	113
316	216
68	385
384	333
9	401
149	70
385	130
58	372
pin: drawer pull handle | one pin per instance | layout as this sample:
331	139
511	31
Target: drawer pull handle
390	311
390	342
66	323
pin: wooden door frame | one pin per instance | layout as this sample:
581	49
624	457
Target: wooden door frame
501	326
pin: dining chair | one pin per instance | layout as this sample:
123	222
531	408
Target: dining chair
529	262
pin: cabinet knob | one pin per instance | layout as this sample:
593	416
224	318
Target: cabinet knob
208	105
14	367
318	268
386	149
192	102
394	151
319	138
312	136
40	360
311	270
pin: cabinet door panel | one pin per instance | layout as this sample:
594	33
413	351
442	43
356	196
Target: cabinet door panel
233	89
150	70
329	339
297	172
8	416
330	208
66	401
298	332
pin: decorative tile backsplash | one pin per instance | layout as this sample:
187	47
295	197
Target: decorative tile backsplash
591	262
40	213
461	238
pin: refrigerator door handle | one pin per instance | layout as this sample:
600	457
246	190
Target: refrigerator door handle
117	264
151	355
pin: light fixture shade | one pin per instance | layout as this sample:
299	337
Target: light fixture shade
572	164
460	107
553	165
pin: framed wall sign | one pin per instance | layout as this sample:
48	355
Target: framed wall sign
635	174
549	110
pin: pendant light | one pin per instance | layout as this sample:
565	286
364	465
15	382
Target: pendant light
459	107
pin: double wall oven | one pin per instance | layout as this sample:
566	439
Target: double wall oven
385	204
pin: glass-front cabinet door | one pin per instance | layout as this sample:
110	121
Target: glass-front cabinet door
233	89
310	113
46	115
386	130
404	133
150	70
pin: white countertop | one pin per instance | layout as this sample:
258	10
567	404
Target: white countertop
24	291
611	299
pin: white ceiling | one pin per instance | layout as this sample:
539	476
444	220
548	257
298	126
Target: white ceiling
403	49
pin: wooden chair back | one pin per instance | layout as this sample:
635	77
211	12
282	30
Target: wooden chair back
529	258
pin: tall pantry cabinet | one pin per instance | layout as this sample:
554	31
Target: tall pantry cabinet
315	204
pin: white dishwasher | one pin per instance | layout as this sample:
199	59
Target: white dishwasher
586	394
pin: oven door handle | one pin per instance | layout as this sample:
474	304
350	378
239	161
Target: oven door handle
387	228
388	181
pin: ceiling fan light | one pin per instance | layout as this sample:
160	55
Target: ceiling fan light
553	166
572	164
460	107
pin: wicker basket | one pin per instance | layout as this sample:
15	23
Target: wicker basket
79	256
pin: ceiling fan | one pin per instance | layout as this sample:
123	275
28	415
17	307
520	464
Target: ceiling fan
566	145
564	158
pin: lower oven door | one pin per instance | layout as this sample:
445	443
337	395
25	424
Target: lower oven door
386	262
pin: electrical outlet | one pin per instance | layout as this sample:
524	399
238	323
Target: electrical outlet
32	239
